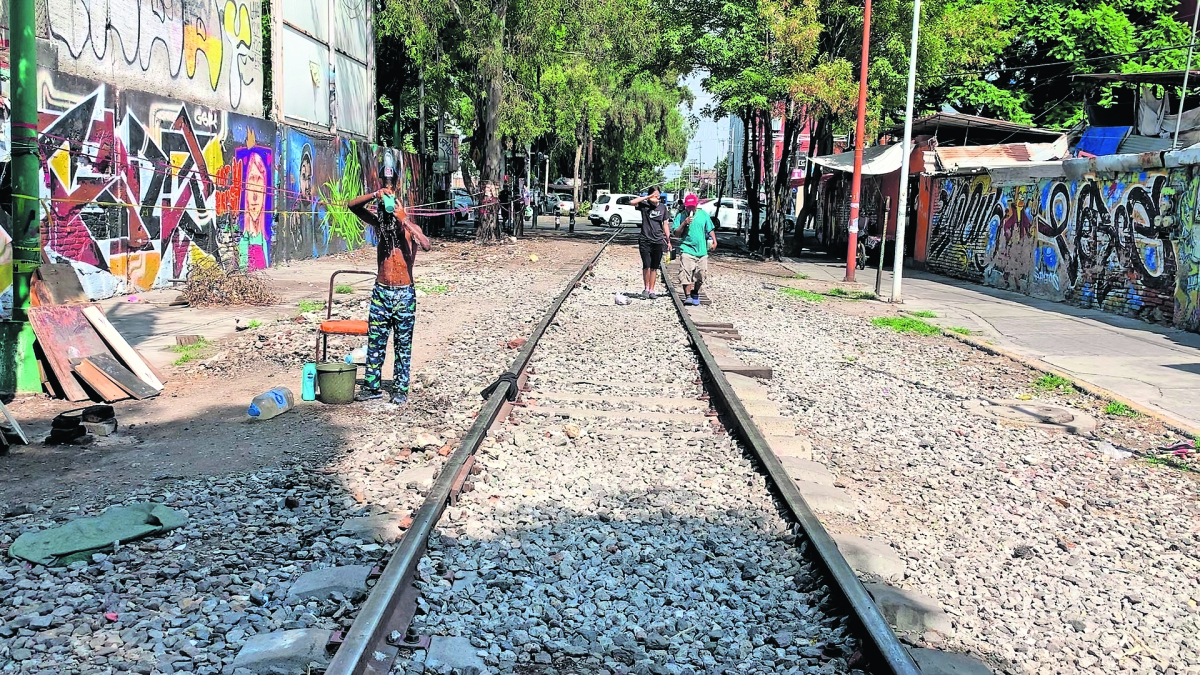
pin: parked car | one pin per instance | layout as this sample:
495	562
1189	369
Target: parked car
463	200
560	203
614	210
733	210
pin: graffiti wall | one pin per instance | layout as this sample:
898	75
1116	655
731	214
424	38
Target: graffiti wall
1125	244
201	51
137	188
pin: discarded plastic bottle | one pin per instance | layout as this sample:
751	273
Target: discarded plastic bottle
308	382
358	356
271	403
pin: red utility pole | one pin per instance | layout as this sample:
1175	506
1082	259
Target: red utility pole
859	134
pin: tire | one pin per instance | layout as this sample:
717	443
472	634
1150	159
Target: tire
615	221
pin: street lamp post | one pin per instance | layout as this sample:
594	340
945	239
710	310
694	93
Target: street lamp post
902	202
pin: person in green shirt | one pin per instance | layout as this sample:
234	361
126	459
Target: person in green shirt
697	236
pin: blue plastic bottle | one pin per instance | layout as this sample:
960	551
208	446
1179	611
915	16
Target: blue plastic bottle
308	383
271	403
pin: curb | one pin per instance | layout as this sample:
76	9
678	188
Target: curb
1098	392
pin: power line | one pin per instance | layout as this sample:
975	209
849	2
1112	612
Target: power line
1140	52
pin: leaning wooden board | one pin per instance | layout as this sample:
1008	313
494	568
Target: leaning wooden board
127	353
102	384
121	375
65	334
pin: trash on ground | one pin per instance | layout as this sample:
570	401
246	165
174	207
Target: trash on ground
620	299
79	539
272	403
308	382
1110	450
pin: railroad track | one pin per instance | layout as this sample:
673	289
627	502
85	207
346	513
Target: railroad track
627	516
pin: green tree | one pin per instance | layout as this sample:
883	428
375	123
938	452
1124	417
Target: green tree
1075	38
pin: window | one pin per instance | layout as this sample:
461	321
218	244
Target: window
602	200
624	201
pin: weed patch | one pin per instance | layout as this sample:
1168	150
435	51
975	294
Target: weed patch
960	330
192	352
924	314
1118	409
1053	383
432	289
906	325
307	306
802	294
254	323
343	289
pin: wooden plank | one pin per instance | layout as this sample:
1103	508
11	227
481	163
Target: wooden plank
12	422
102	384
702	325
61	284
65	334
122	376
150	364
38	295
122	348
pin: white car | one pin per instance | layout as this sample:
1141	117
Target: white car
559	203
731	211
614	210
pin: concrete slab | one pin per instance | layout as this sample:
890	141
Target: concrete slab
456	652
827	499
790	446
870	557
775	426
909	611
350	581
288	651
807	470
732	365
935	662
384	529
760	408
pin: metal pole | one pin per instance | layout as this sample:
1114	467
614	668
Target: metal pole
19	369
421	111
860	133
902	203
1187	71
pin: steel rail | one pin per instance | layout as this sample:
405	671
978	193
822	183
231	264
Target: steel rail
365	649
880	637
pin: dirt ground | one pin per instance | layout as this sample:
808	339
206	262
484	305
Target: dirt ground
198	425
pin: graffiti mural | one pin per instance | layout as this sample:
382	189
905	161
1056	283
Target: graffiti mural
202	51
1112	244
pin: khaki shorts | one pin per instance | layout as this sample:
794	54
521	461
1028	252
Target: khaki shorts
692	270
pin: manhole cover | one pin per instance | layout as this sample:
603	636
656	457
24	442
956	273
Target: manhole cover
1035	414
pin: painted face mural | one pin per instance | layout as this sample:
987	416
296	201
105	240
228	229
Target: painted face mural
256	221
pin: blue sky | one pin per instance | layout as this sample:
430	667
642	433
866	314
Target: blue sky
710	138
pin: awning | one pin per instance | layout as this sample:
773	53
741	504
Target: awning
877	160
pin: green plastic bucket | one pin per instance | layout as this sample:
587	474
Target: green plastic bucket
336	382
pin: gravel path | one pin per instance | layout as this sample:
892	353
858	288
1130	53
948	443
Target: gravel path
188	601
1050	556
637	542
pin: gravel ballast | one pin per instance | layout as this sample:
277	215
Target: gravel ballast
1051	553
638	542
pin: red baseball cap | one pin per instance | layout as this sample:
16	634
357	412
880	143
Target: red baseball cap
691	201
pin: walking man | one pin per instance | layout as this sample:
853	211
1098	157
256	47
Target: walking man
653	238
394	299
697	237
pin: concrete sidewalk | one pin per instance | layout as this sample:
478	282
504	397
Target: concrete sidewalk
1154	366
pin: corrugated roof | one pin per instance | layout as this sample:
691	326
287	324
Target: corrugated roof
1136	145
989	156
931	123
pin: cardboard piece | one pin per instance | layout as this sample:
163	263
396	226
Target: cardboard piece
122	348
105	387
122	376
65	334
60	285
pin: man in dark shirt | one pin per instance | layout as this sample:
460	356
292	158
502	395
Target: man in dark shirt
653	238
